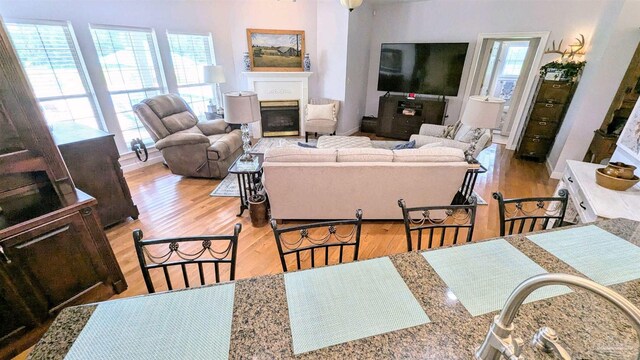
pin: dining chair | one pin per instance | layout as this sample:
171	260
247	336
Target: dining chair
436	220
183	251
515	213
313	238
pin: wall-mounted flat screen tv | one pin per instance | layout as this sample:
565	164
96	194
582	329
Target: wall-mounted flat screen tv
423	68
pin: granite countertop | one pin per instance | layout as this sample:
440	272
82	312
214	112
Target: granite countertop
589	327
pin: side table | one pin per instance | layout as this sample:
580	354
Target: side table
469	182
249	175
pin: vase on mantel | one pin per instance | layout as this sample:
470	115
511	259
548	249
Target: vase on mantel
246	62
307	62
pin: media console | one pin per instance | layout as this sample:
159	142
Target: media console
399	117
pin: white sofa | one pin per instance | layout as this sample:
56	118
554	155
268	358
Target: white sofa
320	184
430	134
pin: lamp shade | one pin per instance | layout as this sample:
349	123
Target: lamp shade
351	4
241	107
213	74
482	112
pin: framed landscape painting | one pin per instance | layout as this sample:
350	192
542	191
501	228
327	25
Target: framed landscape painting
275	50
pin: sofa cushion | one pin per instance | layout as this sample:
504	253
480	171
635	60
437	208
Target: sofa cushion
298	154
431	145
325	111
435	154
180	121
223	145
365	155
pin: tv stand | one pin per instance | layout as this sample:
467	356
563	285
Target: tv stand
399	117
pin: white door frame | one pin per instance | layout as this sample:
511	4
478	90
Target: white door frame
512	142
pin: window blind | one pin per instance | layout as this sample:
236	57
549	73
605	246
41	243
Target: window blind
50	57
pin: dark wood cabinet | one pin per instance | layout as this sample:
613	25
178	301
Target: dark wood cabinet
547	111
53	250
399	117
92	159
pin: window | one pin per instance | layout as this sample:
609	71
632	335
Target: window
514	60
49	55
131	67
189	53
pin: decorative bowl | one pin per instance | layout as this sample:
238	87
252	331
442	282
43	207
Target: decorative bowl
620	170
614	183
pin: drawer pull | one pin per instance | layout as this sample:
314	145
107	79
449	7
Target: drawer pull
582	205
542	123
556	86
548	105
4	256
570	179
536	140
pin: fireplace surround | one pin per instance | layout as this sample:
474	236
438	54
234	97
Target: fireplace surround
280	118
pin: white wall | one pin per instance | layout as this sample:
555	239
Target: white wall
613	47
463	20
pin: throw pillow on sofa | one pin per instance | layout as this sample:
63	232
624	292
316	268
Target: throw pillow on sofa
410	145
305	145
324	112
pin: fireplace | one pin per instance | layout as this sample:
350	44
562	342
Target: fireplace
280	118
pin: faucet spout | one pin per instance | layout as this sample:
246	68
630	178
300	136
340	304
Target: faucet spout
499	337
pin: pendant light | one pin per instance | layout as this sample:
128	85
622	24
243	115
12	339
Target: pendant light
351	4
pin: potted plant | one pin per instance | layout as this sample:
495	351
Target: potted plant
563	70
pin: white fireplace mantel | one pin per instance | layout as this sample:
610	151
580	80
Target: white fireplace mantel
270	85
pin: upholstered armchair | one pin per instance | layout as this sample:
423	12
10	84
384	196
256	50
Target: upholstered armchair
189	147
461	137
320	118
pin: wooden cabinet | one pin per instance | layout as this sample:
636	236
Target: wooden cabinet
92	159
545	117
394	122
53	251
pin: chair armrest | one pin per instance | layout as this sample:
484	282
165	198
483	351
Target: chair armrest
179	139
432	130
213	127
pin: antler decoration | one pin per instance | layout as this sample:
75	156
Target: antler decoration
573	50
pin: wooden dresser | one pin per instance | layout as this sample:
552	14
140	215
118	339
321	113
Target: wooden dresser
545	117
53	250
92	159
393	123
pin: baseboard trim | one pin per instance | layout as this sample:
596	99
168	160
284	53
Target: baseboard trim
129	161
553	174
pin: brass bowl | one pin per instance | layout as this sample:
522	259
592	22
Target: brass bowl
620	170
614	183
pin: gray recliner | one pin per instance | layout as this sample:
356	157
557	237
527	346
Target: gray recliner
190	147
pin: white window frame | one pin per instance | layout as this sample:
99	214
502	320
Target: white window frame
159	69
213	61
80	67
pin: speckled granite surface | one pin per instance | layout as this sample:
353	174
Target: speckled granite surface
589	328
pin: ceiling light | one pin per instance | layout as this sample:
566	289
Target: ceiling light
351	4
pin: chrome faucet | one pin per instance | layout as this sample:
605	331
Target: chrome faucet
500	343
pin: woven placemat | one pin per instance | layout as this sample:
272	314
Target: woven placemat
598	254
336	304
483	275
189	324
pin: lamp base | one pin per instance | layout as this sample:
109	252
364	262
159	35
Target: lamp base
246	143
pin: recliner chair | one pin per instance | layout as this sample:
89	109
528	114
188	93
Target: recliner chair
190	147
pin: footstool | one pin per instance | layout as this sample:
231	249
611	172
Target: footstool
343	142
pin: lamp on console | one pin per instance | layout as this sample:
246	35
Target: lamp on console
242	107
481	113
214	74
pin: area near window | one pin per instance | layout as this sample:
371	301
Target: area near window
131	67
189	53
49	55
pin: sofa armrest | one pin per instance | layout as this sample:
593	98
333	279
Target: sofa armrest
178	139
213	127
432	130
422	140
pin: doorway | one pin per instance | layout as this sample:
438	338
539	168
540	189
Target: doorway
505	66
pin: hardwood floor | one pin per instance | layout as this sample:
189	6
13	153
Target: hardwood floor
172	205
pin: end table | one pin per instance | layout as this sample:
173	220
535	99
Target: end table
469	182
249	175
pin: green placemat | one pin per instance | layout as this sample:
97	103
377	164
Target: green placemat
598	254
336	304
483	275
188	324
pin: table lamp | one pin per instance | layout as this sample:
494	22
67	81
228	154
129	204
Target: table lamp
481	113
214	74
242	107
